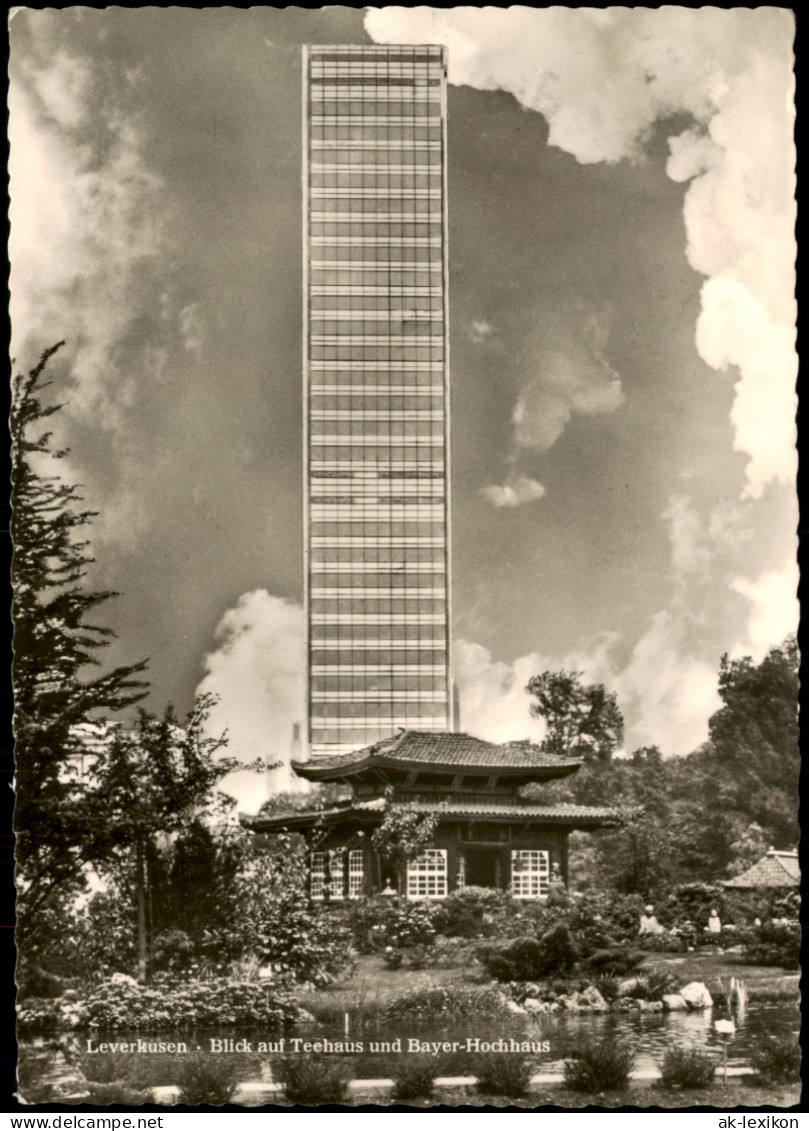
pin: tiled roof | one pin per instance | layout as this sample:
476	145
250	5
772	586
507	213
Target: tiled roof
562	813
775	870
441	749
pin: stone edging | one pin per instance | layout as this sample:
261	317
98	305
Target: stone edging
257	1089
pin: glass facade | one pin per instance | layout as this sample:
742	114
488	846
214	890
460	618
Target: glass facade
376	394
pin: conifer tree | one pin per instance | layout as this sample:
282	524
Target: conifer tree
57	649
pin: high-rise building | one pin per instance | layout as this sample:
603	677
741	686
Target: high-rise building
376	394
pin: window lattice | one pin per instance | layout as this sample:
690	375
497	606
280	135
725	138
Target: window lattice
530	874
427	875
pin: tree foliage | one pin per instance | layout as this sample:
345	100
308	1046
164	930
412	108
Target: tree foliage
583	720
56	647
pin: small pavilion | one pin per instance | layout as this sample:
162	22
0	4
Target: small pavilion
488	834
775	871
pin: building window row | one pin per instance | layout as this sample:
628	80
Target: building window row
374	552
401	255
382	180
433	583
351	325
369	402
379	635
378	605
382	530
347	351
327	207
400	129
381	302
322	106
355	449
345	715
369	655
399	379
374	430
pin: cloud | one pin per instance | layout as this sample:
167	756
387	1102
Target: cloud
775	611
605	80
514	492
257	672
494	704
85	229
667	691
193	328
480	330
734	328
574	379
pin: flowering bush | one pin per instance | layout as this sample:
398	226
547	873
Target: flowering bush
776	943
379	923
666	941
185	1006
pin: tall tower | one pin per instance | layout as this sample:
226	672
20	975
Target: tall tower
376	394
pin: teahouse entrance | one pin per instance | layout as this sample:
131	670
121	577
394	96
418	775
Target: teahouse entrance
482	868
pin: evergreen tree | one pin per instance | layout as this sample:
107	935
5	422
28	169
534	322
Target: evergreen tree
56	647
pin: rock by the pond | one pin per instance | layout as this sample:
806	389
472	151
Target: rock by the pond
696	996
592	999
650	1006
534	1005
589	1000
674	1003
513	1007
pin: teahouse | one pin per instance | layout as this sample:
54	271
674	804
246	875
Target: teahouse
487	835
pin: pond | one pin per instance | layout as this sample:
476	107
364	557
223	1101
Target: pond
375	1052
649	1034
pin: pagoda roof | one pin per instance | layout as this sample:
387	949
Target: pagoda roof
562	813
439	751
774	870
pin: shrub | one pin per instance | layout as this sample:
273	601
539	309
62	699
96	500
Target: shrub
665	942
559	950
615	914
415	1078
473	913
652	985
312	1081
173	950
777	1060
607	985
190	1005
776	943
501	1074
378	923
436	1002
206	1079
599	1066
686	1068
616	961
106	1067
117	1092
692	904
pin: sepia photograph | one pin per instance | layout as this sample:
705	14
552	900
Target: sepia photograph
404	529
